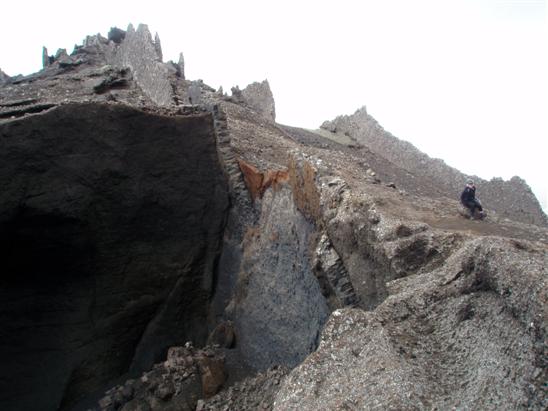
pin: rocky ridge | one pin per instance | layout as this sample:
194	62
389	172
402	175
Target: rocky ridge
511	198
320	253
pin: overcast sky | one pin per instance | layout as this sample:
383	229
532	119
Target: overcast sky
463	80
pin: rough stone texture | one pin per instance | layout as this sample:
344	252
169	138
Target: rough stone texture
259	98
469	335
111	220
317	221
269	261
333	276
255	393
143	56
187	375
241	216
329	268
357	272
376	250
276	270
512	199
96	40
113	80
61	60
380	235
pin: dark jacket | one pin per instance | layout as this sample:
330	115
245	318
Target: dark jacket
468	195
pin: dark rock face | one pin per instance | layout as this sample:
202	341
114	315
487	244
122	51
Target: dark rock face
110	222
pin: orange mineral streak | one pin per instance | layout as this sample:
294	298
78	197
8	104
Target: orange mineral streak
258	182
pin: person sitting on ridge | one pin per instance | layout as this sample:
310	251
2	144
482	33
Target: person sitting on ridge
469	200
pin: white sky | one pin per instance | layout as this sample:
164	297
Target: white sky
463	80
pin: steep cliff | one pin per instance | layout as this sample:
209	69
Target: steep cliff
111	222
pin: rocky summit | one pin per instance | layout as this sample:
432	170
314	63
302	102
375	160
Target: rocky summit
167	246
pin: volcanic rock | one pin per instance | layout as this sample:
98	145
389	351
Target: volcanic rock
110	223
132	221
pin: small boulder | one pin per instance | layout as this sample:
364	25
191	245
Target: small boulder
212	372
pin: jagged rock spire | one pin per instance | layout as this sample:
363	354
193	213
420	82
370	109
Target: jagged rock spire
143	55
4	78
46	61
259	97
181	65
158	47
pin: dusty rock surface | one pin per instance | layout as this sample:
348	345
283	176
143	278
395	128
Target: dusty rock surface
386	226
256	393
142	210
468	335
